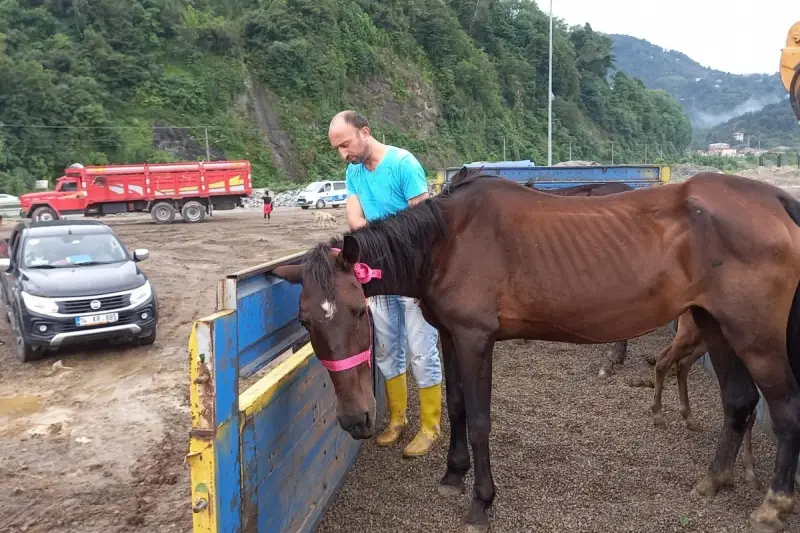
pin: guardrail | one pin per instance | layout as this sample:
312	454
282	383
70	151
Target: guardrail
269	457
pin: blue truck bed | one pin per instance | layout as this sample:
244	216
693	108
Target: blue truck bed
526	172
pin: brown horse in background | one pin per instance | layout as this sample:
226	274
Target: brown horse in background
492	260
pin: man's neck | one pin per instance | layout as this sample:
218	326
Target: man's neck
376	155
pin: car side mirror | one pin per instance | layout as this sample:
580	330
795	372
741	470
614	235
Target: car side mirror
140	254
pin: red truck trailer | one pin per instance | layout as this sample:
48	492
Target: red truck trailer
163	190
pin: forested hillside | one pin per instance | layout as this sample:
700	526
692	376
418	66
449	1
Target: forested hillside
108	81
774	125
708	96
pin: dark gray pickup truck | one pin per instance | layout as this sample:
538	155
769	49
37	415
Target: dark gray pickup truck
72	281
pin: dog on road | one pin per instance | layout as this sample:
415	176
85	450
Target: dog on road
322	219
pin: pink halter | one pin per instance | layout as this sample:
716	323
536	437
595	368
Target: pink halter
364	274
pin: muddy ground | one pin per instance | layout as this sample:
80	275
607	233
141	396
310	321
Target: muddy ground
96	443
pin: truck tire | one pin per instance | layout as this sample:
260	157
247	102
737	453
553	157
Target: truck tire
24	351
148	339
162	213
193	211
44	213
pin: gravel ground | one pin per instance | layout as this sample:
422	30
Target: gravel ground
570	452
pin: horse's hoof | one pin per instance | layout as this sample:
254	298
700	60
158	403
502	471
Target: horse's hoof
692	425
766	525
705	490
450	491
658	421
474	528
752	482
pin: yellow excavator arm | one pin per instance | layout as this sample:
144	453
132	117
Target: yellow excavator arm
790	68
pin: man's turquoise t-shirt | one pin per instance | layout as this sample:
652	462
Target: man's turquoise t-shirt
387	189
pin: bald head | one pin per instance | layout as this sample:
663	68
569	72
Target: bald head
349	133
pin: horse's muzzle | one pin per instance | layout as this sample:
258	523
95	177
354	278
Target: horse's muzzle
360	426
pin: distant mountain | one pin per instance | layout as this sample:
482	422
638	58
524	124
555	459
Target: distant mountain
774	125
709	97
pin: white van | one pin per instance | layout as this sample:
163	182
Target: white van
322	194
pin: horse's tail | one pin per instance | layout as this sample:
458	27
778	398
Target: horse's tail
792	208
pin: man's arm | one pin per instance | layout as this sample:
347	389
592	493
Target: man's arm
355	214
414	183
418	199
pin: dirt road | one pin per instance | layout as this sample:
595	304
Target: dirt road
98	446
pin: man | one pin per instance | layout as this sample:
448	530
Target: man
382	180
267	206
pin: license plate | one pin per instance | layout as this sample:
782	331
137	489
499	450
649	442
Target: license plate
94	320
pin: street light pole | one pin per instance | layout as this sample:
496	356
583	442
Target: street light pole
550	95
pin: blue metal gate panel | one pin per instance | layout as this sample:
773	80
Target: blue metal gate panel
269	458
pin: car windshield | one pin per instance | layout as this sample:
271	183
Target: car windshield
65	251
313	187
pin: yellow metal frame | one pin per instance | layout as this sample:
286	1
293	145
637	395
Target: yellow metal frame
201	456
790	56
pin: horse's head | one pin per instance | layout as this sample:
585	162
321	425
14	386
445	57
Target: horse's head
333	309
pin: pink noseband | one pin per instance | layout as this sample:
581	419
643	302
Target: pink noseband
364	274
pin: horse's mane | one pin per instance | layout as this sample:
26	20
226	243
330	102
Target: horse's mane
398	244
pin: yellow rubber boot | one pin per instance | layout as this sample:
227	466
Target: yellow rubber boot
430	415
397	398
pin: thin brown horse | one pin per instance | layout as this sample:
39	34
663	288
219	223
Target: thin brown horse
619	350
683	352
492	260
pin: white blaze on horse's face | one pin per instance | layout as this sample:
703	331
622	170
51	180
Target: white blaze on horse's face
329	308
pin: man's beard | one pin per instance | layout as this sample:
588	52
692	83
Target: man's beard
359	160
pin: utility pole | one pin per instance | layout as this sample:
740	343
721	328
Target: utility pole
550	95
612	152
504	149
570	149
645	154
208	152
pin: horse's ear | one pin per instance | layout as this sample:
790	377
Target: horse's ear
291	273
351	253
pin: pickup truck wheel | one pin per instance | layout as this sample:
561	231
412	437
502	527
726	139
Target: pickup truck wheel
44	213
147	340
162	213
193	211
25	352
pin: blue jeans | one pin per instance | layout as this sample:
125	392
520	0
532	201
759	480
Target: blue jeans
400	331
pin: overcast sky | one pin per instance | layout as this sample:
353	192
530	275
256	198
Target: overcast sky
738	36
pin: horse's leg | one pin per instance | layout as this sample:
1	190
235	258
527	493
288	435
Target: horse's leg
747	455
684	367
739	398
680	348
763	348
452	483
782	394
664	361
474	352
615	356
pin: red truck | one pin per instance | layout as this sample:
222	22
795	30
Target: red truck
162	189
